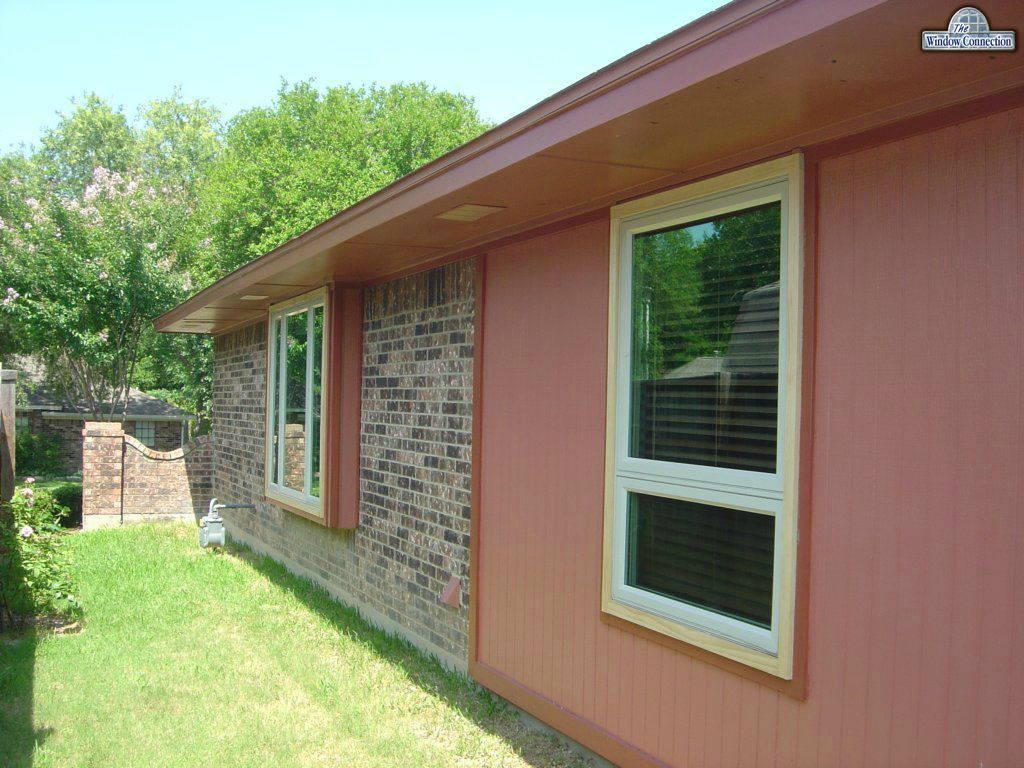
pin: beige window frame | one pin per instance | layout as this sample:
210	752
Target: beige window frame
779	498
301	502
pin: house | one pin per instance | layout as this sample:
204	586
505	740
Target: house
470	404
154	422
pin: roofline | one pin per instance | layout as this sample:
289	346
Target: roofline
73	415
698	32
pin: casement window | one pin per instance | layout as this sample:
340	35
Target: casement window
145	433
295	387
704	376
20	421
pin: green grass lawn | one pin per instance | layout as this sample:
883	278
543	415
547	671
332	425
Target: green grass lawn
194	658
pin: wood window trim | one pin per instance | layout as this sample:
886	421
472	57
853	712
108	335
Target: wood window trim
340	418
785	670
342	406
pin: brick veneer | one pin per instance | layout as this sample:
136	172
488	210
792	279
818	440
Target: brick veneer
123	481
67	434
413	534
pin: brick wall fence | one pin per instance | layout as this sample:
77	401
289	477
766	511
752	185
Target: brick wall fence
67	435
123	481
413	534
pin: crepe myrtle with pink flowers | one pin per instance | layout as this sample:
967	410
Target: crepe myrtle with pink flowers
100	230
81	276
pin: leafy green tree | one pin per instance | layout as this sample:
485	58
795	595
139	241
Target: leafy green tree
310	154
111	222
89	254
93	135
85	276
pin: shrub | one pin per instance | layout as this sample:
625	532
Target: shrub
33	574
69	494
37	454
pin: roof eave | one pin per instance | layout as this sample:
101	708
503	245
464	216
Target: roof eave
712	25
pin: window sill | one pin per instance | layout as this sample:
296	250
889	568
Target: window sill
755	666
307	511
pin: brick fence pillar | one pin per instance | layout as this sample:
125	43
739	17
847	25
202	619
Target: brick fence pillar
7	382
102	473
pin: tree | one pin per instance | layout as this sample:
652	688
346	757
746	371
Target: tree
93	135
112	222
84	278
87	260
309	155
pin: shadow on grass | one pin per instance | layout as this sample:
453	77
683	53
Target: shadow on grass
458	691
18	735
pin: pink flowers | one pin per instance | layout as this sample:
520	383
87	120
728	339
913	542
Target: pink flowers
10	297
151	246
28	493
29	480
104	183
26	531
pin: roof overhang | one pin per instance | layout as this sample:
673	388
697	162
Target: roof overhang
754	79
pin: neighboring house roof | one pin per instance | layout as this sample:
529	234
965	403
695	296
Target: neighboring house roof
753	343
32	381
752	80
697	368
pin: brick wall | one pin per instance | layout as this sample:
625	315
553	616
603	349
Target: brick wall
166	434
67	434
413	535
123	481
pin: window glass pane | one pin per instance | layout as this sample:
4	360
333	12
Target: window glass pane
317	395
705	341
272	399
712	557
145	433
295	402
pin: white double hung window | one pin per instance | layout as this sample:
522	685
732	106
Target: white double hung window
704	393
294	402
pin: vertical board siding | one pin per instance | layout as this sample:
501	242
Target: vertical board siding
917	554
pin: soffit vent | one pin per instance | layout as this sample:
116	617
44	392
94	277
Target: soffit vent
470	212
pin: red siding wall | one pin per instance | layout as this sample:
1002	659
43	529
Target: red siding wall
917	563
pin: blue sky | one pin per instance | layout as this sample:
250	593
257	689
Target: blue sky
508	55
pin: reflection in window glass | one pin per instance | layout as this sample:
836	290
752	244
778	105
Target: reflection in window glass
145	433
705	341
295	402
712	557
272	399
316	403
